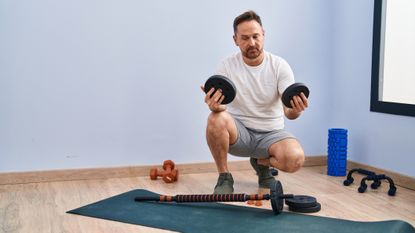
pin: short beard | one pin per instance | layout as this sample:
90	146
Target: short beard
251	56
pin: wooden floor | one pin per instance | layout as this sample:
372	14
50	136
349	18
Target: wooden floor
41	207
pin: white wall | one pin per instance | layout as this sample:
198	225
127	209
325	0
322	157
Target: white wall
114	83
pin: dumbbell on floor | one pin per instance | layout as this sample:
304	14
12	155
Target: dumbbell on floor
169	174
167	177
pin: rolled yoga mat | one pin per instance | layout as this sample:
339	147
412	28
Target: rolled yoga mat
217	217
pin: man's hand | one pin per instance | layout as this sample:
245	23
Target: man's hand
299	104
214	102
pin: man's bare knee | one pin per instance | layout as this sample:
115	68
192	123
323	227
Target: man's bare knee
221	123
216	125
287	155
217	119
294	161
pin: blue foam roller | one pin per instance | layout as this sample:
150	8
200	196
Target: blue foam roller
340	159
331	140
336	165
336	169
334	159
337	131
338	136
337	158
337	148
337	153
343	144
337	173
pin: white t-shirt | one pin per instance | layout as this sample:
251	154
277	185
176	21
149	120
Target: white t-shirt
259	89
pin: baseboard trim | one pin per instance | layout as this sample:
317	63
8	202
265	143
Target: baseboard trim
190	168
129	171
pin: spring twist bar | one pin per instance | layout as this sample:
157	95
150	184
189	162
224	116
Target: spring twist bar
276	197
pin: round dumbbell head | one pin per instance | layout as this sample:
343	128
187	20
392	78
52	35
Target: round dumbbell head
169	177
312	209
276	192
168	163
301	201
153	173
175	173
223	83
293	90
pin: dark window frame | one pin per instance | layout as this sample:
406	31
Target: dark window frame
377	105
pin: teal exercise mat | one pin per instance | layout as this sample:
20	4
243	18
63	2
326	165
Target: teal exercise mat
217	217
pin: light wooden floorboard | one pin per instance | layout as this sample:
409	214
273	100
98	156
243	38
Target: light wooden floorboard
41	207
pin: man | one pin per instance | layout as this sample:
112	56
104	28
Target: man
253	124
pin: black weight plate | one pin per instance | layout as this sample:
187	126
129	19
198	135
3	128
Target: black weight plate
293	90
276	192
301	201
312	209
223	83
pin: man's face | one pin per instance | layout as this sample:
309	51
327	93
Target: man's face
249	37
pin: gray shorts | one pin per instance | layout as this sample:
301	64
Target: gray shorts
251	143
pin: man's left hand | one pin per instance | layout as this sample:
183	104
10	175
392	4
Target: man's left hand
299	103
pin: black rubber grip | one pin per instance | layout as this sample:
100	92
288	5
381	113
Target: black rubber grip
211	198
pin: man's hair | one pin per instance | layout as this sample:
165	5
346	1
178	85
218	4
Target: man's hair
246	16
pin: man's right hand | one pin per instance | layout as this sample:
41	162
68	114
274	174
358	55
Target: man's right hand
214	102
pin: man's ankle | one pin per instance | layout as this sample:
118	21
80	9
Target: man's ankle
264	162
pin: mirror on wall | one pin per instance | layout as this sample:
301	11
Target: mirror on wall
393	57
